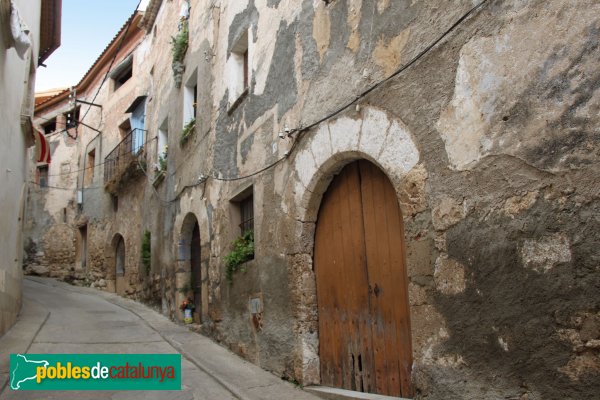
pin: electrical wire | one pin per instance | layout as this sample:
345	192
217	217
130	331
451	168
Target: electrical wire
400	70
397	72
111	62
286	155
299	130
99	88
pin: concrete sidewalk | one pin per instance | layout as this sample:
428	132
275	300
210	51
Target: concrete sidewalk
241	379
19	338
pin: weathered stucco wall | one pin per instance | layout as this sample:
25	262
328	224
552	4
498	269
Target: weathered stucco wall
489	139
17	77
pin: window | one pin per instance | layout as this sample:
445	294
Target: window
138	123
190	98
89	168
241	214
247	215
245	56
72	118
124	129
115	202
242	210
195	103
42	175
122	73
162	148
50	126
238	68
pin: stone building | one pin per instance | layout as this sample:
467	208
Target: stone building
419	181
29	33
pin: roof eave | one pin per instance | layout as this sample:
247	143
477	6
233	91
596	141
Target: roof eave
50	28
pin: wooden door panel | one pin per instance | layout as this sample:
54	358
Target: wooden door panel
354	290
196	269
384	242
377	250
342	288
364	330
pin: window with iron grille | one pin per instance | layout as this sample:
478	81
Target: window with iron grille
247	215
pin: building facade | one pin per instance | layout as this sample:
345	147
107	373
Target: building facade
390	197
29	33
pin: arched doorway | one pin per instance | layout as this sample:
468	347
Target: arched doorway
359	261
120	265
192	275
196	272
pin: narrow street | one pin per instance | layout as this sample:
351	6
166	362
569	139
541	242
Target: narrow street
59	318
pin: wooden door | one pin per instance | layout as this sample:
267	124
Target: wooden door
196	266
364	327
120	266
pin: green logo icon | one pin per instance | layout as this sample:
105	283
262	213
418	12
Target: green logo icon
22	369
95	371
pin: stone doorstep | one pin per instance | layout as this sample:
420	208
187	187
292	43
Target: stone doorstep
330	393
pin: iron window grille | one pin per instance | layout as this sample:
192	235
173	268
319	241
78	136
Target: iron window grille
247	215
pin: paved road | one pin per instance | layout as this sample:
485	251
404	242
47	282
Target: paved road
58	318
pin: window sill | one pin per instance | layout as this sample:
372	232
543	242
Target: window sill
238	101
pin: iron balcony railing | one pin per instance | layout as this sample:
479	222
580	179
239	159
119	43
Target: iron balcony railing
131	148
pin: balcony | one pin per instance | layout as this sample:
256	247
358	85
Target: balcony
126	161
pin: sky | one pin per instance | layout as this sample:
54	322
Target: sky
87	28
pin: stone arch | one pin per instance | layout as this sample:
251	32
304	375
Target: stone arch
371	135
191	280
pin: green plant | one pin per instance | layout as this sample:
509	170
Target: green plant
243	250
146	251
161	166
180	43
187	131
179	48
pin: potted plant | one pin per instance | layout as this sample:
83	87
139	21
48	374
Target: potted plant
188	308
188	131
